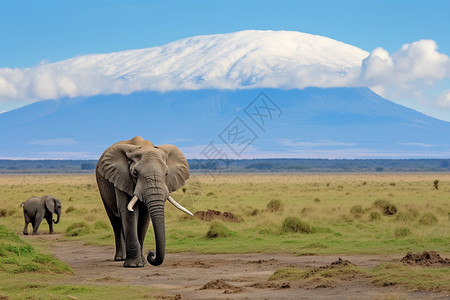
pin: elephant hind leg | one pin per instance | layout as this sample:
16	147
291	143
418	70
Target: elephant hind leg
27	221
37	221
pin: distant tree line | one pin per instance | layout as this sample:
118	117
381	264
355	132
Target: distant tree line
322	165
246	165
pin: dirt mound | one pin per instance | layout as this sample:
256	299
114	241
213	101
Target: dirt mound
338	264
426	258
220	284
216	215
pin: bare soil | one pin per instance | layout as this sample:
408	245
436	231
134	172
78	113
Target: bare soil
227	276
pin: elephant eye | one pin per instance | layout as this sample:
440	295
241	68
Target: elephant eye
135	173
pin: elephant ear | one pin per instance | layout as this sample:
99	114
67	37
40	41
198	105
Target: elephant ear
50	204
113	166
178	167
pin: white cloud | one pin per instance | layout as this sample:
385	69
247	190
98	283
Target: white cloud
408	70
443	100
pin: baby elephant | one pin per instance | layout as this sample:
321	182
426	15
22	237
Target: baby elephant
37	208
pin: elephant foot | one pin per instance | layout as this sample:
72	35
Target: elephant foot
25	233
119	257
134	262
35	233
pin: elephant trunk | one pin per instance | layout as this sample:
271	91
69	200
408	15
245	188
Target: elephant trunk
58	213
156	209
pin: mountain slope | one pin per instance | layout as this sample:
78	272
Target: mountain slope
313	122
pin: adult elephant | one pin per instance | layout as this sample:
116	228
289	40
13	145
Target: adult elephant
35	209
134	170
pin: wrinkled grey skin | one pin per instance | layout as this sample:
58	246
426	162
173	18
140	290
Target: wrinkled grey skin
138	168
36	209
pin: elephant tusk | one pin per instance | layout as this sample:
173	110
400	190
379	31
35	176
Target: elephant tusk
175	203
132	203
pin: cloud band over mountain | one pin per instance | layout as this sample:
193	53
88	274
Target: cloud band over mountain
241	60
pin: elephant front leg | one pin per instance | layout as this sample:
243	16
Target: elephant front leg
50	224
134	257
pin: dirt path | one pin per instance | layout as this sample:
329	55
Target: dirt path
225	276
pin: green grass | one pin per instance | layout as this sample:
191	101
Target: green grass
355	213
28	273
389	274
18	256
346	213
32	287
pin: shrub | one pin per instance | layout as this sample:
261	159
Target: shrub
77	229
70	209
217	230
401	232
294	224
274	205
386	207
3	212
436	184
374	215
357	211
428	219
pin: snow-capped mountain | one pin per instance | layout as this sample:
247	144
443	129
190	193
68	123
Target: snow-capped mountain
248	123
245	59
293	94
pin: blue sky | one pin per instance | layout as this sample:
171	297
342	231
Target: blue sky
36	31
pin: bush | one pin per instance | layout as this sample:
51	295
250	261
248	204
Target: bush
357	211
294	224
70	209
274	206
77	229
374	216
401	232
436	184
428	219
217	230
386	207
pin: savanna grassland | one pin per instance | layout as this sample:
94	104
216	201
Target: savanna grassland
299	214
